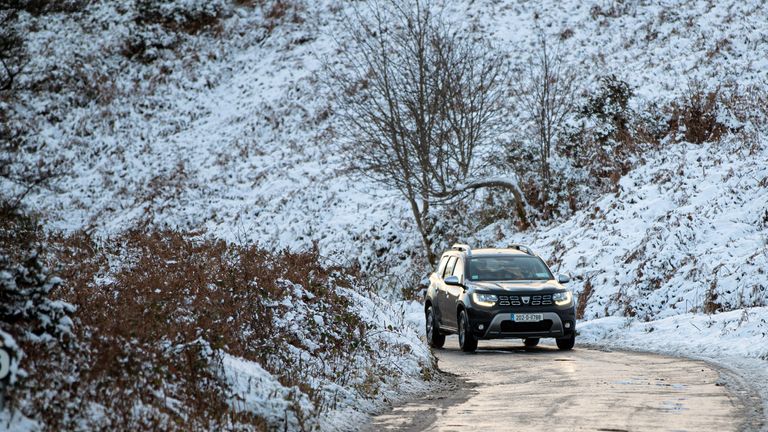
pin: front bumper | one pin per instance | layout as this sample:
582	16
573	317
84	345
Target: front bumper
497	324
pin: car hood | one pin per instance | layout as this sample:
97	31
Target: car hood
518	286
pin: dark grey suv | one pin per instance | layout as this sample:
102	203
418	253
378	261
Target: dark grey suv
498	293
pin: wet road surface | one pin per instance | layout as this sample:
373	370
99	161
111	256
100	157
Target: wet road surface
505	387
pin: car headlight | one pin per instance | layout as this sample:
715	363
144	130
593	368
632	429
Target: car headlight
484	299
562	298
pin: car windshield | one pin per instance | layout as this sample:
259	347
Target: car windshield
503	268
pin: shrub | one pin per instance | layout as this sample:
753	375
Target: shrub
146	44
13	55
161	25
283	10
190	17
695	117
602	140
30	318
43	7
155	310
584	297
744	110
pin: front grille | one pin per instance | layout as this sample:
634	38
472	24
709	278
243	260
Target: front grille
525	327
537	300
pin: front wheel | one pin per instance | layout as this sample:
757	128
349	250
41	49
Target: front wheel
434	338
567	343
467	341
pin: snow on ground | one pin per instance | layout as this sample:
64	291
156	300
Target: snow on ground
232	141
742	333
413	314
401	363
402	352
14	421
231	134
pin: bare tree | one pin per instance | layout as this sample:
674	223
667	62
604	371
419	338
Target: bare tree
418	100
545	94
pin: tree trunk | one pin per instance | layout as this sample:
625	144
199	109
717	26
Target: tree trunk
420	217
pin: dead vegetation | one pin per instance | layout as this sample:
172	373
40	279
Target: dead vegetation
154	312
43	7
187	17
694	118
584	296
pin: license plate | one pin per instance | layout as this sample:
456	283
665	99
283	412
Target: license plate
527	317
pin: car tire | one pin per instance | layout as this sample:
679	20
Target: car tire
531	342
467	341
565	344
434	338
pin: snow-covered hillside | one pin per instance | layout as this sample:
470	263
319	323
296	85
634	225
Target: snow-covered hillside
229	130
685	232
224	132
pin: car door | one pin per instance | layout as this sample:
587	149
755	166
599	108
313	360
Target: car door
435	281
452	294
447	309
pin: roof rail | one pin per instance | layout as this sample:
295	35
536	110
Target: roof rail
522	248
461	247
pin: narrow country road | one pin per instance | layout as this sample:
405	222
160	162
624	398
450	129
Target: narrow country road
504	387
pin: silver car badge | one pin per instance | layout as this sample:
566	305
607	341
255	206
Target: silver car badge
526	300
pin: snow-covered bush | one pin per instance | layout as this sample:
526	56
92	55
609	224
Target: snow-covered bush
42	7
178	332
12	53
694	118
31	319
161	26
190	16
607	136
603	136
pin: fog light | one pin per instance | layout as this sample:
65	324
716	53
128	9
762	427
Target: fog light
568	324
481	327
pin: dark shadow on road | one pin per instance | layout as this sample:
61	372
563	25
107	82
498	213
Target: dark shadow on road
538	350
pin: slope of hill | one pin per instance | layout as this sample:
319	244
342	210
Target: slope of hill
685	232
228	129
222	123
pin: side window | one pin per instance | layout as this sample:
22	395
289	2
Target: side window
473	272
459	269
441	267
449	267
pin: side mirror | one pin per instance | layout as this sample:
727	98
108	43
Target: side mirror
563	278
452	280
